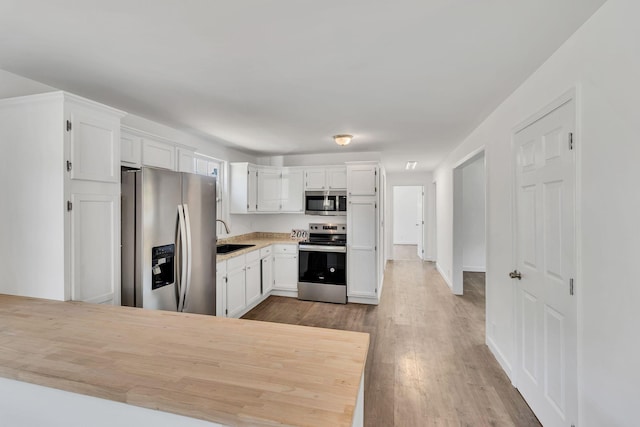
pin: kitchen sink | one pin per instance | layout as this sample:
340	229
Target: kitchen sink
230	247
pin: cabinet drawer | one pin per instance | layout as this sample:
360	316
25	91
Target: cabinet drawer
264	252
252	256
285	249
236	263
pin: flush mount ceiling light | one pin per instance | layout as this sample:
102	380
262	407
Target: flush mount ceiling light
342	139
411	165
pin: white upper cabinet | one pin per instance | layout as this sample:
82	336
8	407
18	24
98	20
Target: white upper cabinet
94	144
159	154
315	179
186	160
292	193
337	178
325	178
243	188
269	189
266	189
362	180
130	150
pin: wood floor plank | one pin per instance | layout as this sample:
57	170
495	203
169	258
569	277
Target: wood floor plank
428	364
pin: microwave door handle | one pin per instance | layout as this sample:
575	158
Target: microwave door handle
187	220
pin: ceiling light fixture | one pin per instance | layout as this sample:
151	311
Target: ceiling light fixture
411	165
342	139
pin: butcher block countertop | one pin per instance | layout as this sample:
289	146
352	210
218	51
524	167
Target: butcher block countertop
227	371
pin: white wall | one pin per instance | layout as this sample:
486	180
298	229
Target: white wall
406	214
602	59
473	238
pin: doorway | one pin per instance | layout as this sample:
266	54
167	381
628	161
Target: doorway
469	236
408	222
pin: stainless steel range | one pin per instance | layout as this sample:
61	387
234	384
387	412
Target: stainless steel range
322	272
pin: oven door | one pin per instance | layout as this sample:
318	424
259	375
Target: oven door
322	264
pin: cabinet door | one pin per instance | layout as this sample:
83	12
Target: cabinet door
94	146
362	180
267	274
315	179
337	178
186	161
361	255
221	289
253	292
285	272
159	154
292	191
130	150
95	248
235	292
252	189
269	183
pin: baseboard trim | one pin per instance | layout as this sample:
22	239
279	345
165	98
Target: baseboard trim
444	276
282	293
475	269
502	361
363	300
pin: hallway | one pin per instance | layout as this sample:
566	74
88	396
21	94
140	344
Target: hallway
427	364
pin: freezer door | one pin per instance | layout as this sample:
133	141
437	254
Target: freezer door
199	200
158	198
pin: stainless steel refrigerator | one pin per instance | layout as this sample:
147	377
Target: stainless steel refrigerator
169	241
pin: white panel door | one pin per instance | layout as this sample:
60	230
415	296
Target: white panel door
362	180
269	186
94	146
292	191
361	246
95	248
545	254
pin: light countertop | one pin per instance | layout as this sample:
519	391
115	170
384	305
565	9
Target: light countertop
228	371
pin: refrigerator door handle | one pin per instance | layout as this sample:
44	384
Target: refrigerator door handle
187	219
183	258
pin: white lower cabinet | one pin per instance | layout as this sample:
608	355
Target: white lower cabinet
236	284
285	269
266	272
221	289
243	281
252	278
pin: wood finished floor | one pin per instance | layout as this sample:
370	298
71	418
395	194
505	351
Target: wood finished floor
428	364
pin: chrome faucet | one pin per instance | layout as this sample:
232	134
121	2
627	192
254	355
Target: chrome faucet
226	227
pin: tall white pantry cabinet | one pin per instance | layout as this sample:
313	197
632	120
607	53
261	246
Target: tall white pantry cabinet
365	263
60	180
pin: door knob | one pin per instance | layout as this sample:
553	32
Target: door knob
515	274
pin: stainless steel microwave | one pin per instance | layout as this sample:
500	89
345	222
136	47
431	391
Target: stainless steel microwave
325	203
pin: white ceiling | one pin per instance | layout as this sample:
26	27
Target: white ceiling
409	79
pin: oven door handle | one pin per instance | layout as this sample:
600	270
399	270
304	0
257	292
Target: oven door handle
317	248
